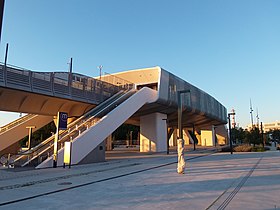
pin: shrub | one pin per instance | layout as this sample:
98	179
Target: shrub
268	143
258	149
225	149
243	148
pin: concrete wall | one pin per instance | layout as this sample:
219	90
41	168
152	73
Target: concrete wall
96	155
207	138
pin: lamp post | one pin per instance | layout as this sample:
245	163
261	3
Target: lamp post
2	3
180	141
251	112
70	76
262	139
61	124
194	142
100	71
229	127
215	137
167	139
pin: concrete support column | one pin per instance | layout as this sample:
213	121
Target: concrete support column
197	133
153	133
221	133
109	143
173	138
207	137
186	136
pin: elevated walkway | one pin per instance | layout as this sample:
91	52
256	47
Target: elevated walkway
54	91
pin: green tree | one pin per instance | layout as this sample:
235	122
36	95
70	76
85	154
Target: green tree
124	131
276	134
253	136
238	135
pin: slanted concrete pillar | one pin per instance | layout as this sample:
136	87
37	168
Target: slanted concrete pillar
109	143
221	133
153	133
208	137
198	136
186	136
173	138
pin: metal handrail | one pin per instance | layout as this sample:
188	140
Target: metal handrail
62	84
16	122
72	125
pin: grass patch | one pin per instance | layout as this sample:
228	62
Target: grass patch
258	149
246	148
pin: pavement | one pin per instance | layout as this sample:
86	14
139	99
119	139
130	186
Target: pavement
149	181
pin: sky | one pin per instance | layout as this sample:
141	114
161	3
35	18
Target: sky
228	48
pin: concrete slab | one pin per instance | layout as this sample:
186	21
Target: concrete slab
211	181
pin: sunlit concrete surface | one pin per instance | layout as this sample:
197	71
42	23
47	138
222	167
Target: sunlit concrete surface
144	181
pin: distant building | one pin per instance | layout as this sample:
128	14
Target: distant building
267	126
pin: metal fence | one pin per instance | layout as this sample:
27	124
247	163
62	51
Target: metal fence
62	84
16	122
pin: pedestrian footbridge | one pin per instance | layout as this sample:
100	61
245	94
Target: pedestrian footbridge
98	106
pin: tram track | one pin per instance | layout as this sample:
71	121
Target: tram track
220	203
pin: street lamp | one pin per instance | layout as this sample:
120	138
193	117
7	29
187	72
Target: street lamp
229	127
100	71
215	138
263	141
194	142
2	3
180	141
167	139
251	112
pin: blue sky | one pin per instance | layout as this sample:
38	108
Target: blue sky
230	49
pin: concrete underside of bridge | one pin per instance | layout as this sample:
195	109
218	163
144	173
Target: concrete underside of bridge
13	100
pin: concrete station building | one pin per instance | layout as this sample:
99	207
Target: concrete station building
98	106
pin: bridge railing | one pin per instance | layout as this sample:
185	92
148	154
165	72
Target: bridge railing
62	84
16	122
